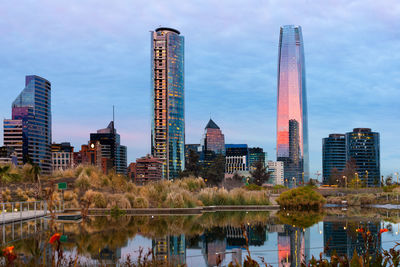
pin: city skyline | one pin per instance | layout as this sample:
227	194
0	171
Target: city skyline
107	64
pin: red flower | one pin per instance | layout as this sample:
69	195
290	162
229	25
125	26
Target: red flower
54	238
383	230
360	230
8	252
368	233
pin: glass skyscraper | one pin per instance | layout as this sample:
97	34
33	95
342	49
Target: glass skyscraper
31	123
333	156
362	146
168	111
292	129
214	139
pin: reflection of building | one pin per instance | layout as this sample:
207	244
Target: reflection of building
256	234
213	250
276	171
148	169
256	154
171	249
292	129
293	246
236	159
362	145
108	256
168	112
333	155
29	130
62	156
343	238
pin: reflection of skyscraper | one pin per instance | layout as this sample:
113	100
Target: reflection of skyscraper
335	238
171	249
168	121
292	129
108	256
293	246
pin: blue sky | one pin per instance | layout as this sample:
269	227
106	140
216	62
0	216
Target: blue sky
96	53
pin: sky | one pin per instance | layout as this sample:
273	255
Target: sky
96	54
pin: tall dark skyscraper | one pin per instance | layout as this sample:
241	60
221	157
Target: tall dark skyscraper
333	155
362	146
168	118
292	129
213	140
29	130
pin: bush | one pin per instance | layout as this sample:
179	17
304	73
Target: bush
301	198
118	200
83	181
253	187
141	202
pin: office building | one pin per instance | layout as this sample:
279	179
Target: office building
236	159
8	156
333	155
168	112
362	146
62	156
292	129
276	170
257	154
148	169
132	171
213	139
31	113
194	147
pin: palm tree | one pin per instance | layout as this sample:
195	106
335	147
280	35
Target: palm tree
35	171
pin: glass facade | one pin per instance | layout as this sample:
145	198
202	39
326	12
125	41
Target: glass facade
333	155
213	139
32	108
168	112
257	154
362	147
292	129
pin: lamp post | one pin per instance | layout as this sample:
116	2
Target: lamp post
356	174
397	175
345	181
294	180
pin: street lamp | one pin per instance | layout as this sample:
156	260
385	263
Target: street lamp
294	180
345	180
356	174
397	175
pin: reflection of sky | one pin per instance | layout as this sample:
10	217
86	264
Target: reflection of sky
231	54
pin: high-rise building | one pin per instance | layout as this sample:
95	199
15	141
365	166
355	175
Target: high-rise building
362	146
292	129
257	154
105	150
168	120
62	156
214	139
194	147
276	171
333	155
29	130
237	158
8	155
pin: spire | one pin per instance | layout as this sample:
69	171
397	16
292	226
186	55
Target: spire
211	125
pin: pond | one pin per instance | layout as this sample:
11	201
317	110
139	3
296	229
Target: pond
281	239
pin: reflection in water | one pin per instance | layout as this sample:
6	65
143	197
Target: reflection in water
204	240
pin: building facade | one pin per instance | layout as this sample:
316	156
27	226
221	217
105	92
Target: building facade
31	112
333	155
213	139
148	169
276	170
8	156
362	146
292	126
236	158
168	112
256	154
62	156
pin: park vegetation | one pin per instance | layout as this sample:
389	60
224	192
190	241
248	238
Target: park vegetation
301	198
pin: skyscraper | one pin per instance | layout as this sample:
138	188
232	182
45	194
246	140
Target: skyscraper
333	156
29	130
214	139
362	146
292	129
168	118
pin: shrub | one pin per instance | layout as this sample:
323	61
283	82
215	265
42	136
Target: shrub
118	200
70	195
253	187
83	181
301	198
141	202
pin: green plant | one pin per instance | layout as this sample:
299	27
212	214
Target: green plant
304	197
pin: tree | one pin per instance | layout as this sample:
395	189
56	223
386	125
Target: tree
389	180
350	171
35	172
215	173
192	165
335	177
4	174
260	174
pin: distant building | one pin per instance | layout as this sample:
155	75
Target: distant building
257	154
132	171
62	156
362	146
148	169
213	139
29	130
236	158
8	155
276	169
194	147
333	155
168	112
109	153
